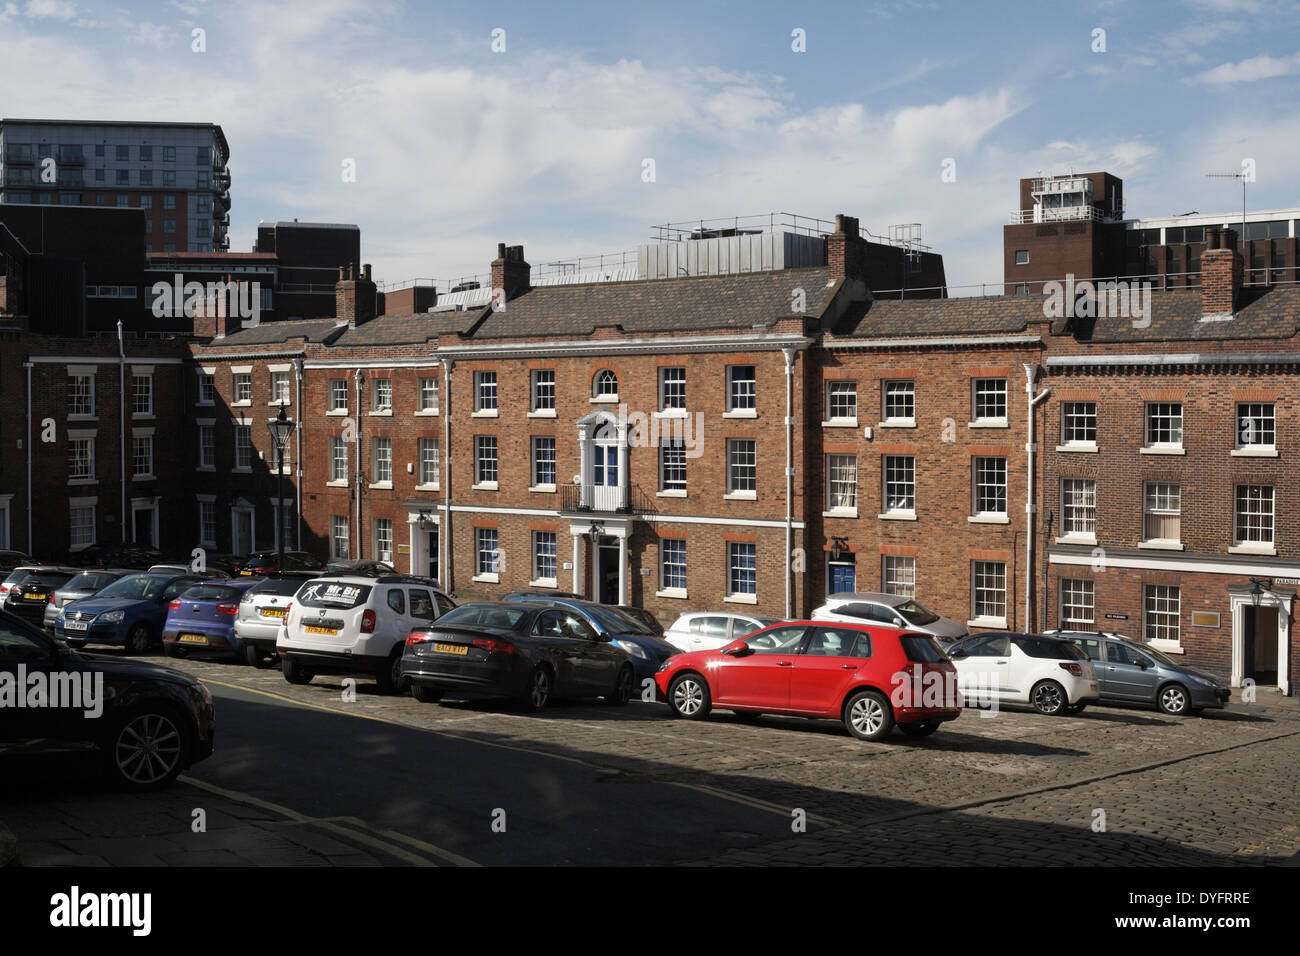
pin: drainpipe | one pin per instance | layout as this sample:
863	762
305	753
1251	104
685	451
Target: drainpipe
357	473
1031	402
789	477
297	481
122	443
31	550
444	532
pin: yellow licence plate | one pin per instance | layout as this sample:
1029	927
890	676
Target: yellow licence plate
272	612
247	574
38	595
313	629
451	649
192	639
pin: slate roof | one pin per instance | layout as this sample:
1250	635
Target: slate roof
413	329
276	333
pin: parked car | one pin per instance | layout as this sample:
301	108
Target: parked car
27	590
14	559
262	563
83	585
544	594
893	610
155	721
261	616
839	671
647	649
131	612
710	630
1131	672
203	617
643	616
1049	673
371	568
208	572
356	624
137	557
527	650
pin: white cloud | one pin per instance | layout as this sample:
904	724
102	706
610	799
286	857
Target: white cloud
1250	70
50	10
152	34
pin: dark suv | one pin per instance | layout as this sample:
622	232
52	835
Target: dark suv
262	563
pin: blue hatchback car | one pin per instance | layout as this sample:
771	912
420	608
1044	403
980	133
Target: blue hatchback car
646	648
129	612
203	617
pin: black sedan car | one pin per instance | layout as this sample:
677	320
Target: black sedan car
146	723
26	591
525	651
261	563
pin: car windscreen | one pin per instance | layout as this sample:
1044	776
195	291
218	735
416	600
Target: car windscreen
916	614
47	579
1051	649
17	577
278	586
615	621
333	594
921	649
137	587
90	581
484	615
211	592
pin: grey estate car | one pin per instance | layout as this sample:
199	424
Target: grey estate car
1130	672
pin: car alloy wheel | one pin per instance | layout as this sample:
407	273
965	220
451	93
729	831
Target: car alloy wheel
539	689
1173	700
147	750
623	685
867	716
137	641
689	697
1048	697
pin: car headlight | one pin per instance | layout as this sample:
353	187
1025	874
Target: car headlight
633	649
1201	680
111	617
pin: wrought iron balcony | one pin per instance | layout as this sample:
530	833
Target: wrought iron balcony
584	499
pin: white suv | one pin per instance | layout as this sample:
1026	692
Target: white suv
1051	674
356	624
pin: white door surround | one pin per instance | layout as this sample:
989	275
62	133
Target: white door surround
618	528
1240	599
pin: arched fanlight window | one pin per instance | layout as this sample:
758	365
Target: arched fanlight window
605	385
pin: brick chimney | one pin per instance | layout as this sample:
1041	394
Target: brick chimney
510	272
213	316
355	295
846	251
1221	269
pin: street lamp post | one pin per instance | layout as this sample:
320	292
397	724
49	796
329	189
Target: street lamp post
281	427
1042	612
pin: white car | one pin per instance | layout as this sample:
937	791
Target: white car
892	610
356	624
1052	675
707	630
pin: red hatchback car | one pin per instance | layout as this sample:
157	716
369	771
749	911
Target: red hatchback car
871	678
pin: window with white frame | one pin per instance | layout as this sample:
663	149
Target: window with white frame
1078	423
485	459
899	473
338	395
672	561
244	447
207	446
842	401
428	394
899	400
543	390
1078	603
142	456
672	464
989	590
841	482
485	391
543	461
742	388
381	395
1162	511
544	564
605	385
742	568
429	461
243	388
1161	607
81	395
280	388
742	466
486	550
898	574
208	524
383	460
339	538
1079	507
1256	425
81	526
207	389
990	486
1164	424
81	459
142	394
384	539
1254	515
990	399
672	387
338	458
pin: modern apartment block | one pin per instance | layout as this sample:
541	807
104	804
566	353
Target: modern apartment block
176	172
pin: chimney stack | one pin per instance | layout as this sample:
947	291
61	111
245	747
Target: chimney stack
510	272
1221	270
846	250
355	295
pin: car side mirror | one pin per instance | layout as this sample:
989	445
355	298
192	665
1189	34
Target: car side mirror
738	649
956	654
898	622
1143	663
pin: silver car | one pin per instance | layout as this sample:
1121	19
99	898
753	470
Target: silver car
892	610
83	585
1134	673
261	615
709	630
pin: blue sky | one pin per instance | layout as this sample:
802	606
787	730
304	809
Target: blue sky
457	147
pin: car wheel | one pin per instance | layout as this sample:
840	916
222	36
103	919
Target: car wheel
1173	700
295	673
539	689
146	749
391	679
254	656
867	715
138	639
688	696
426	695
918	730
1048	697
624	684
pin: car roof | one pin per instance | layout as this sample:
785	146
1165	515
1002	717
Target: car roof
849	597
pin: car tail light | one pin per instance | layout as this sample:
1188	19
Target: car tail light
287	608
367	621
1073	668
493	646
227	608
175	605
52	601
418	637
